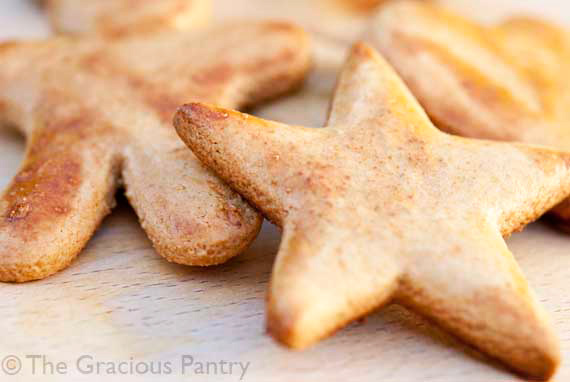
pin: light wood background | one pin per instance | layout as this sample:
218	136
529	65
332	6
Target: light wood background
120	301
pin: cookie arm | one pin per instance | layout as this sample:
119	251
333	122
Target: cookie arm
234	66
281	63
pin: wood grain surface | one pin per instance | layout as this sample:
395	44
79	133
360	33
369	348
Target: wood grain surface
121	302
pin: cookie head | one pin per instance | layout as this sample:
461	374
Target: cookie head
116	18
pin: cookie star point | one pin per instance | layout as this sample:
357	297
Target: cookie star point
381	206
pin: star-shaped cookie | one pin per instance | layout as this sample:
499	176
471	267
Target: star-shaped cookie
382	206
508	82
98	114
123	17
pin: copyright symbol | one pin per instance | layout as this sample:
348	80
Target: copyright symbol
11	365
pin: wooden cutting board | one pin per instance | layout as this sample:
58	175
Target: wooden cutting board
121	302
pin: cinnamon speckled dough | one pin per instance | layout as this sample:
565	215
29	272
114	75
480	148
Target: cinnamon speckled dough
122	17
382	206
98	112
506	82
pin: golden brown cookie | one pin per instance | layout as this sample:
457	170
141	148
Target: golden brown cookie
508	82
122	17
97	114
381	206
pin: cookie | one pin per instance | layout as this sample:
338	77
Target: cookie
381	207
123	17
97	114
507	82
361	5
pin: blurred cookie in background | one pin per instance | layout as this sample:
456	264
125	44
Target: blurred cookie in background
324	18
493	11
123	17
506	82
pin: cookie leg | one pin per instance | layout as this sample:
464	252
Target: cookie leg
53	206
191	216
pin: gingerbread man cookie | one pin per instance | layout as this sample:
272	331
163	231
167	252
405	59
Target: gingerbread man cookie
97	115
